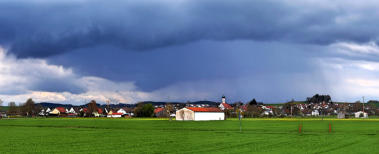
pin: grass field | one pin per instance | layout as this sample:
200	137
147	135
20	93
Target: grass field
53	135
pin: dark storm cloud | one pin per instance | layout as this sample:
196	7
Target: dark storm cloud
204	60
45	28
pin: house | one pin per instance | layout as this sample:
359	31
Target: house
48	110
3	115
98	113
121	111
58	111
114	115
224	105
160	112
341	115
361	114
267	112
200	114
315	113
42	112
71	111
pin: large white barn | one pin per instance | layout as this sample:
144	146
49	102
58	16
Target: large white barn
200	114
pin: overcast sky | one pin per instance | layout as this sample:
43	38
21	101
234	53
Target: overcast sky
186	50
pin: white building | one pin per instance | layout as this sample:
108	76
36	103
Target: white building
200	114
121	111
361	114
224	105
114	115
42	113
71	111
268	112
315	113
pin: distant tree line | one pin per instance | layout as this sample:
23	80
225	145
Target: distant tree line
144	110
319	98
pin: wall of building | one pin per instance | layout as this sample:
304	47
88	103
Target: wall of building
200	116
185	114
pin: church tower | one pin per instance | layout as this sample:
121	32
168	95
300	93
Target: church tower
223	99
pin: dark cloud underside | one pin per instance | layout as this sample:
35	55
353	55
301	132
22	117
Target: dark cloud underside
45	28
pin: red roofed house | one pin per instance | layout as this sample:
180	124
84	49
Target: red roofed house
160	112
114	115
58	111
224	105
200	114
98	113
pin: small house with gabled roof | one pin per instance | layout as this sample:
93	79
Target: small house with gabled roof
200	114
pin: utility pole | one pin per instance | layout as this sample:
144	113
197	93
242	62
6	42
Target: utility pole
291	110
239	116
363	103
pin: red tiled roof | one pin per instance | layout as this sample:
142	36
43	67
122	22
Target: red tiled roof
100	111
158	110
227	106
201	109
116	113
61	109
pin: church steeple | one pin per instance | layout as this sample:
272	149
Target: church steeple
223	99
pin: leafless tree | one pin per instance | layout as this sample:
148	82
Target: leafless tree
169	109
13	109
1	103
92	107
29	109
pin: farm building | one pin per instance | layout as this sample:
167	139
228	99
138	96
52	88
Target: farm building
160	112
99	112
315	113
114	115
341	115
72	111
121	111
59	111
200	114
361	114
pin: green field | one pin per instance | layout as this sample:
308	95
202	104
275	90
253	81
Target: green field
53	135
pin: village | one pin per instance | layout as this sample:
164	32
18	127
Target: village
316	106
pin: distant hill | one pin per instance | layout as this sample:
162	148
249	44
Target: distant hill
54	105
205	102
120	105
196	102
376	103
4	108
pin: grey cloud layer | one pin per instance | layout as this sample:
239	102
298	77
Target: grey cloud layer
45	28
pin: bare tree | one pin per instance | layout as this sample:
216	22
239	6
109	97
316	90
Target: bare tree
1	102
13	109
169	109
92	107
29	108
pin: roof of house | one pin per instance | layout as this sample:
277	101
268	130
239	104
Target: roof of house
158	110
201	109
114	113
61	109
100	111
227	106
